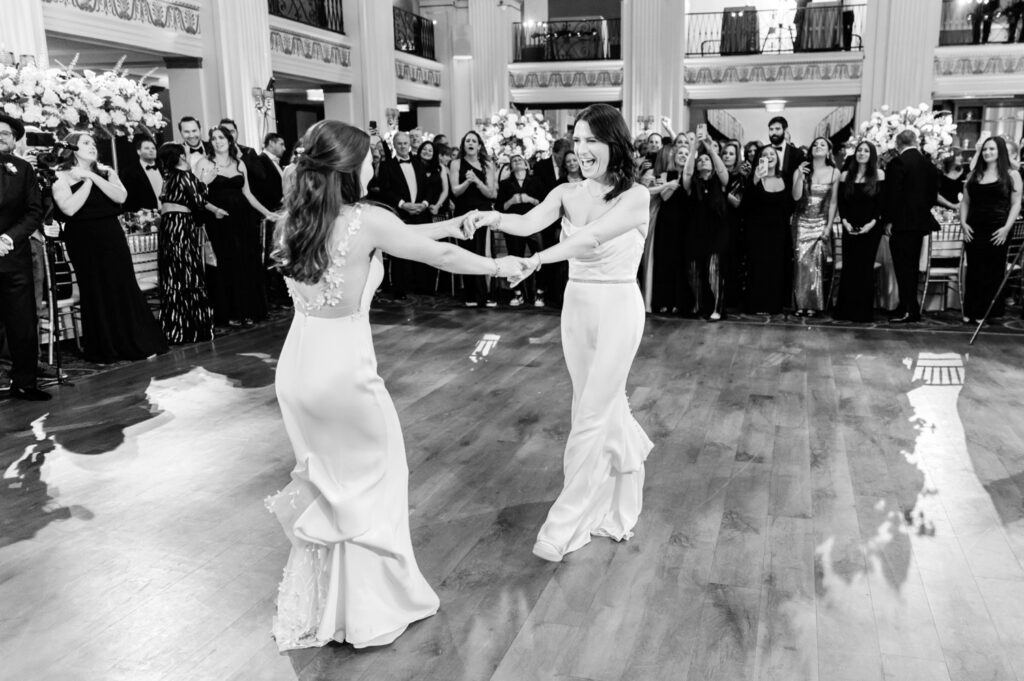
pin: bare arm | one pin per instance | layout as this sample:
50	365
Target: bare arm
833	204
691	161
248	194
490	190
631	211
539	217
70	202
111	185
458	188
444	193
719	166
394	237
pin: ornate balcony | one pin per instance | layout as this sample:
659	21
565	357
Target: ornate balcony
973	24
163	26
325	14
414	34
829	27
583	39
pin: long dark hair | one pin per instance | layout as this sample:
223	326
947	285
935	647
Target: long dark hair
168	155
851	167
434	164
481	154
326	179
828	146
70	160
608	126
1002	165
232	147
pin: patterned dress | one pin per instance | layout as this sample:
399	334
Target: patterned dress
185	313
811	239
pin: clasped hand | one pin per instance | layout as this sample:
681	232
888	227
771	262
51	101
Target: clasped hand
515	269
475	219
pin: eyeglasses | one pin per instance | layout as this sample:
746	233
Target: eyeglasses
6	133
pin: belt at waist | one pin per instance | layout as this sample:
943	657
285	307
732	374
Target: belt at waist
603	281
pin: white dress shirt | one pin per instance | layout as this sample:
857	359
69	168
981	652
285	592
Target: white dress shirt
410	177
154	177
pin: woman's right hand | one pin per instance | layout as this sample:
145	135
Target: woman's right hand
220	213
968	233
78	174
487	218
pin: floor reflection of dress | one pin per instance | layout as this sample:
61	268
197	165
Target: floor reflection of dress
236	283
351	575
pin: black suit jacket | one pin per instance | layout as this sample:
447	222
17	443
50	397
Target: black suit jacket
265	182
21	210
544	173
394	186
790	162
140	191
911	185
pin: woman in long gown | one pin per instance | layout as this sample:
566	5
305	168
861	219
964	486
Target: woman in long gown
116	321
604	224
237	289
815	184
185	312
767	209
860	209
351	575
670	289
705	179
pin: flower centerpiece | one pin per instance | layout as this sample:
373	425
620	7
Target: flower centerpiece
60	99
935	130
507	133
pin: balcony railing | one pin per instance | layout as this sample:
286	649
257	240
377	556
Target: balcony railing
972	23
823	28
414	34
324	14
567	40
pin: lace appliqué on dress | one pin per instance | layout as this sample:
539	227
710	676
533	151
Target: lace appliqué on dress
329	288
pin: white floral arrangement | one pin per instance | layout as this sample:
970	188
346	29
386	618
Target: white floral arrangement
935	129
59	100
507	133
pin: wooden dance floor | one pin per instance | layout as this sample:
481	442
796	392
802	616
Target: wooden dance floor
821	504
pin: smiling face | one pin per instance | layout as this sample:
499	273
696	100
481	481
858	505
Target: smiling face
592	153
402	145
190	133
989	152
571	162
87	152
219	141
819	149
863	154
426	152
772	159
682	153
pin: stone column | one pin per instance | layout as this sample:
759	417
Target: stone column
241	51
21	30
653	47
898	63
187	89
339	104
373	60
445	14
492	51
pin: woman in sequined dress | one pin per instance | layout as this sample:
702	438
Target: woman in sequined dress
815	184
351	575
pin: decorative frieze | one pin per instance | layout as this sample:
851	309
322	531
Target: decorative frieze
417	74
313	49
771	73
519	80
172	15
979	64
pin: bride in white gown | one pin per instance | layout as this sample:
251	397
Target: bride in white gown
604	224
351	575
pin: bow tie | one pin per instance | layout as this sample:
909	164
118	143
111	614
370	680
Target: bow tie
150	167
196	150
405	160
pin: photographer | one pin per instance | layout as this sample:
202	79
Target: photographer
21	212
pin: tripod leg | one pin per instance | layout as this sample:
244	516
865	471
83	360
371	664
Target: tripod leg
999	292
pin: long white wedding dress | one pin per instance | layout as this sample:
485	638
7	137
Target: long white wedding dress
351	575
602	325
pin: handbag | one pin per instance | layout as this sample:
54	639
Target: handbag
209	256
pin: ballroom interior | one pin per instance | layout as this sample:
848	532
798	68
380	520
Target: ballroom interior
823	503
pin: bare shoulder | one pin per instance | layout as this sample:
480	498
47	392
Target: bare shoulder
1017	181
638	193
372	215
881	175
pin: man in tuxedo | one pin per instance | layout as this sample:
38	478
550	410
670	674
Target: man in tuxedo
21	213
552	278
911	185
400	180
266	184
790	157
142	180
191	131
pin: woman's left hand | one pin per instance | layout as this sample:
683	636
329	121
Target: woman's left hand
1000	235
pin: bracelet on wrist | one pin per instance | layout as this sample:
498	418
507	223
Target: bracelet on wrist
496	267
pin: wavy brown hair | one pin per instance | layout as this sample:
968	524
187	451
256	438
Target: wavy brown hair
326	180
608	126
68	158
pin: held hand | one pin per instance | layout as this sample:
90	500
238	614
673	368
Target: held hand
490	218
52	230
511	268
968	233
466	228
999	237
529	266
868	227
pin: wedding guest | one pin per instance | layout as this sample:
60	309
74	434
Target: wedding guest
21	212
247	154
951	182
570	169
267	182
991	204
552	280
751	151
815	184
142	180
185	312
766	208
654	144
237	289
790	157
670	291
401	183
435	179
518	194
981	16
116	321
474	183
704	179
733	256
860	211
910	190
192	135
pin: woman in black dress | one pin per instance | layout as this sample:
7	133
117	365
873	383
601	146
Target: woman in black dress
989	208
185	312
767	209
237	286
704	178
475	186
734	268
116	321
433	188
517	194
670	291
860	210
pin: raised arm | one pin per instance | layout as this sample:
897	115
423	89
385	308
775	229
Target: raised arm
691	162
719	166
